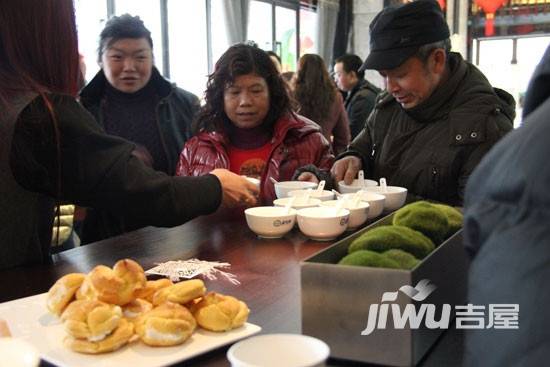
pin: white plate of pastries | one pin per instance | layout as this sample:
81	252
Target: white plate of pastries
115	316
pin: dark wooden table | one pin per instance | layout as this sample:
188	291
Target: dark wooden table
269	272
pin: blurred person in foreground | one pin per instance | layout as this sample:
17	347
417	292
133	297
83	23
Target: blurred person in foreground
247	125
360	93
130	99
319	100
438	116
51	149
506	232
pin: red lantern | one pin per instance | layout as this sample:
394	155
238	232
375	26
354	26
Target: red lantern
490	7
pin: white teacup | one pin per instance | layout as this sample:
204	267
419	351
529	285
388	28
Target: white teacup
300	202
321	195
322	223
275	350
376	202
395	196
18	353
284	187
358	214
270	221
355	186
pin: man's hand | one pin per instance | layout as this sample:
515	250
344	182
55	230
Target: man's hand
237	190
346	169
308	176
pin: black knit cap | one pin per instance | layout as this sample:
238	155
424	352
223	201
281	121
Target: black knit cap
396	33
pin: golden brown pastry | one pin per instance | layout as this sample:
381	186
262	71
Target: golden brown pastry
165	325
181	292
91	320
217	312
151	287
86	290
118	338
63	292
120	284
136	308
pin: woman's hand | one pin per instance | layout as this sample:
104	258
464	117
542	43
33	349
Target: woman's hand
237	190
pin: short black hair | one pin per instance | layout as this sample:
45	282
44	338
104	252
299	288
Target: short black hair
351	63
124	26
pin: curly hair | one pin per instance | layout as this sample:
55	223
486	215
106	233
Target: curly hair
314	90
241	59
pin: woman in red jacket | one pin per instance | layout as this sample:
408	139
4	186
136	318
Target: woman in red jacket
247	125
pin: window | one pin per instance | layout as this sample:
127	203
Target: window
220	44
187	44
90	20
260	24
286	37
507	70
308	34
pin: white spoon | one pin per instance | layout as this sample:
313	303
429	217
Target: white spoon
356	198
320	187
340	205
336	193
306	195
383	185
289	204
361	177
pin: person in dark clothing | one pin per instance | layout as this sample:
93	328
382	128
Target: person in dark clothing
506	233
438	116
51	149
130	99
360	93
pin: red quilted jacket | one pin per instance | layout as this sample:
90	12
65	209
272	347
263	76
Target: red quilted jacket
297	142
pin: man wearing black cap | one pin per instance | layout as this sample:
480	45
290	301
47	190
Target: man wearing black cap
360	94
438	116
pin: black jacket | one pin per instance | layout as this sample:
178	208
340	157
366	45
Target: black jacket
175	112
432	148
97	170
359	103
507	232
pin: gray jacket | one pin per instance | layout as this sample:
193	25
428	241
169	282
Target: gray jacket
507	233
175	112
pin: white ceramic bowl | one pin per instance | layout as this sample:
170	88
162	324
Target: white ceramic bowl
322	223
322	195
355	186
395	196
18	353
284	187
299	202
275	350
270	221
357	214
376	202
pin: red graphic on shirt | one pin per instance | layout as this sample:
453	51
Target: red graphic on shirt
252	167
